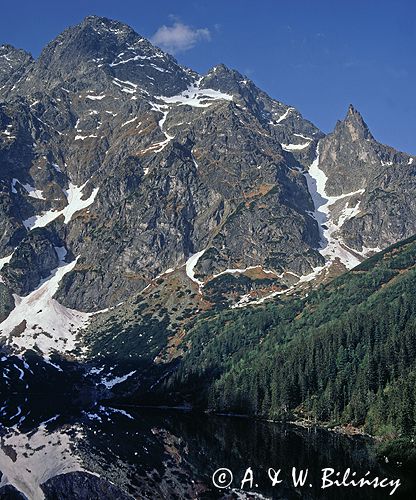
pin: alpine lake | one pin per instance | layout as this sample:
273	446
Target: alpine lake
50	450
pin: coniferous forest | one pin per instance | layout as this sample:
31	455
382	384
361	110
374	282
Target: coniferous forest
345	354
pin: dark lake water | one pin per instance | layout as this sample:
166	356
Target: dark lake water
160	454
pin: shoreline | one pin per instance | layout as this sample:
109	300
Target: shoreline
346	429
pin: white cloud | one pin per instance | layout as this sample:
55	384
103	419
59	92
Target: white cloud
179	37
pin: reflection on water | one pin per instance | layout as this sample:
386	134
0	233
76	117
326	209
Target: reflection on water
157	454
30	459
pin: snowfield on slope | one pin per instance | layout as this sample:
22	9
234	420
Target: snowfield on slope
332	246
75	204
40	322
190	266
197	97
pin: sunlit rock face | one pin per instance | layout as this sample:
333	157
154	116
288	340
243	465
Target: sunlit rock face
353	160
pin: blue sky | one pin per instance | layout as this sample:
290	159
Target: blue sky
316	55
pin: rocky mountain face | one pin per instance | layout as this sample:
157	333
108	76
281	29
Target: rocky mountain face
354	161
135	193
13	64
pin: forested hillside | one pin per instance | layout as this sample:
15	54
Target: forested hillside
344	354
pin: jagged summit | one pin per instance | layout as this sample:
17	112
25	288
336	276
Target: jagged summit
97	20
102	25
5	48
106	29
373	179
11	58
223	72
354	115
93	39
352	110
8	50
224	78
355	124
98	50
221	68
13	63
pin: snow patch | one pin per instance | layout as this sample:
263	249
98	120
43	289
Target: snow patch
5	260
75	204
331	246
57	167
129	121
240	271
130	59
47	360
282	117
197	97
47	325
295	147
192	96
95	97
159	146
118	410
111	382
190	266
194	161
304	137
7	132
168	271
125	86
31	191
83	137
366	251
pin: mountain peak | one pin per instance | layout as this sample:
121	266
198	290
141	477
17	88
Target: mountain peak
92	18
97	50
13	63
353	113
97	33
219	68
5	47
220	77
7	50
351	109
223	71
354	124
105	24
